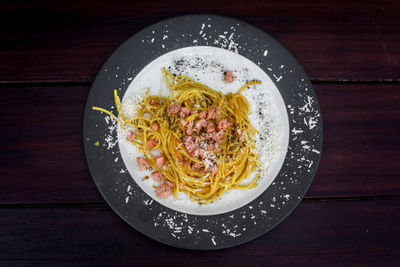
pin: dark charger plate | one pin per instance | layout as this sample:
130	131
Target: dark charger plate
214	231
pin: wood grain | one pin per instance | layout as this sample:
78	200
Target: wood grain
69	40
361	233
43	161
42	147
361	148
51	212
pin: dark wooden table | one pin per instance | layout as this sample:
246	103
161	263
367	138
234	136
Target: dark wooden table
50	210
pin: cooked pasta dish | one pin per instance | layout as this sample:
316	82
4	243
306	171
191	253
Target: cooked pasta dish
197	140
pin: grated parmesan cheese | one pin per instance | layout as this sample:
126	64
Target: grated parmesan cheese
131	103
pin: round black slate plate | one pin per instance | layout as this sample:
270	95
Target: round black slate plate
216	231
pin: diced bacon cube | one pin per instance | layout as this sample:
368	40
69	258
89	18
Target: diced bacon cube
201	123
213	148
131	136
203	114
183	122
151	143
189	128
184	112
210	126
163	191
189	143
155	126
154	102
223	124
160	161
170	184
157	177
196	152
229	77
213	113
204	153
212	136
143	163
196	166
173	109
200	139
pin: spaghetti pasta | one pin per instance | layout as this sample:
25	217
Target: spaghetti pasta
204	138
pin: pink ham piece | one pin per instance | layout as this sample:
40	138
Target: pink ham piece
196	152
183	122
201	123
223	124
143	163
155	126
154	102
169	184
189	143
189	128
157	177
210	127
200	139
184	112
151	143
217	147
217	137
164	190
160	161
203	114
212	136
229	77
131	136
196	166
213	113
204	154
173	109
213	148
